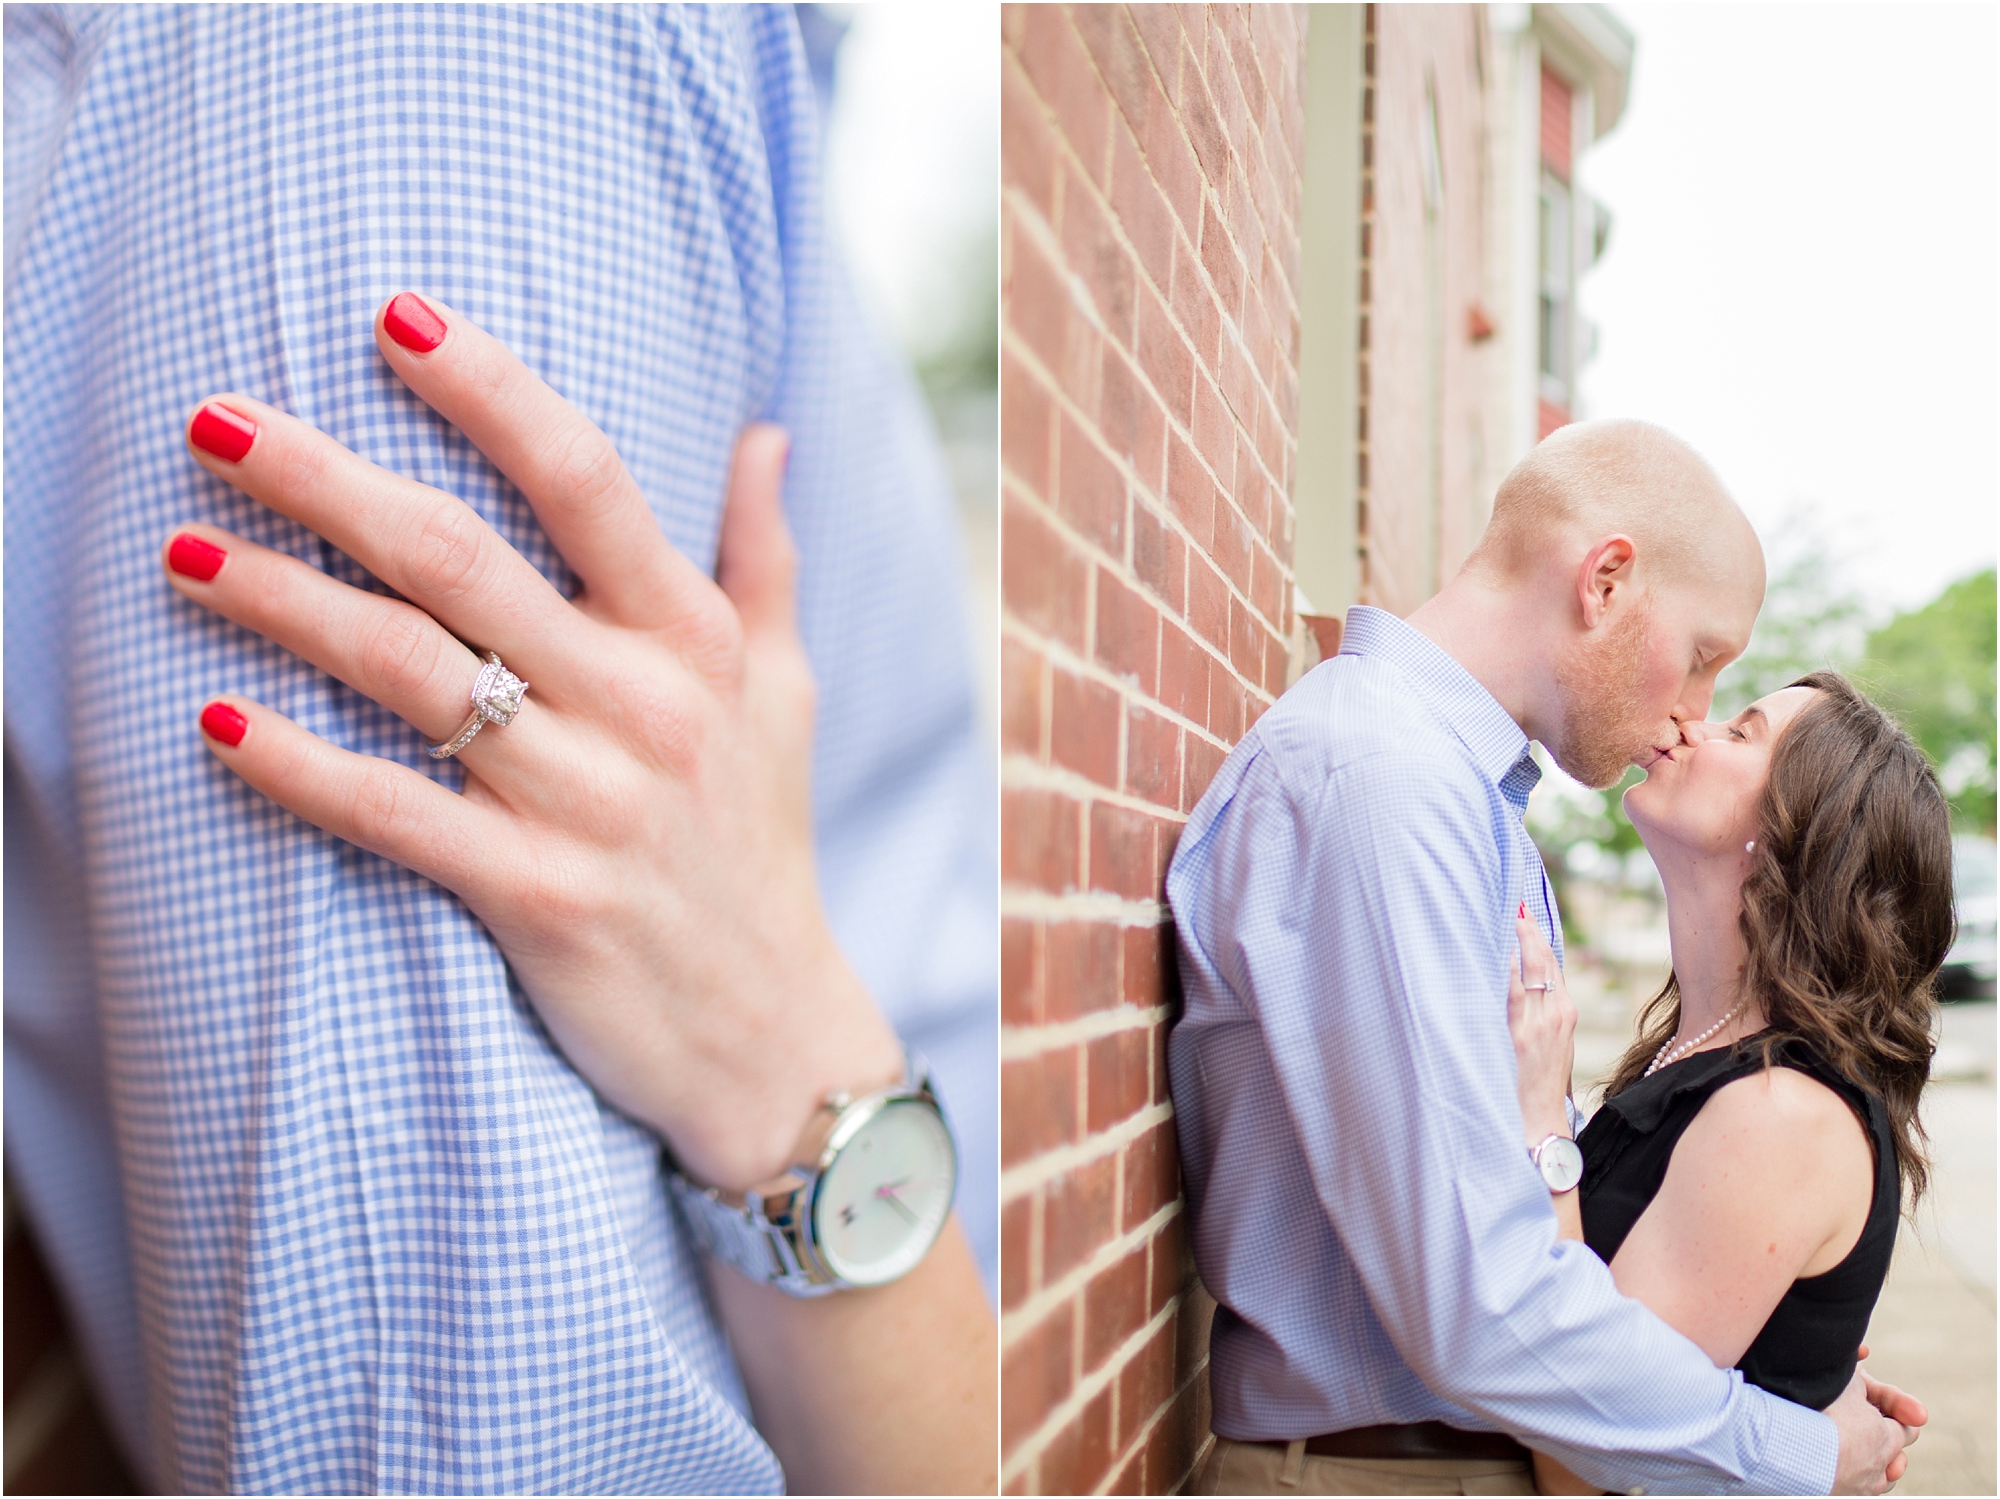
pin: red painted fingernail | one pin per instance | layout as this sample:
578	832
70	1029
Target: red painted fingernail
192	557
220	721
1524	910
220	431
412	324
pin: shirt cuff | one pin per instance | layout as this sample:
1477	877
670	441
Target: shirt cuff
1801	1452
1797	1452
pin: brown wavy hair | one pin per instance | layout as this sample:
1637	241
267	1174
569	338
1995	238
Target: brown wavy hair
1847	910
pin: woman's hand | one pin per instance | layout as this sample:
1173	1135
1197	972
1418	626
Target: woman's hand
639	840
1543	1023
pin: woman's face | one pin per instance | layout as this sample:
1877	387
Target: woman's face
1700	797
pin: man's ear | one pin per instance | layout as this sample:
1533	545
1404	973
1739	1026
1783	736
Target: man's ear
1606	573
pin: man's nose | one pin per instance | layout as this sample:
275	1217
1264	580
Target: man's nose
1696	696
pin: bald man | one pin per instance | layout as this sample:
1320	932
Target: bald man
1395	1313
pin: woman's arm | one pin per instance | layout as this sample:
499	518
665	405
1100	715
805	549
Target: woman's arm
1542	1021
638	842
891	1390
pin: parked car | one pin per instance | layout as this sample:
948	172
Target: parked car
1968	967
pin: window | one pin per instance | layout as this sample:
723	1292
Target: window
1556	266
1557	284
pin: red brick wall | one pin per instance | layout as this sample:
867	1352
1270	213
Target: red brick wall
1556	114
1555	124
1149	230
1424	378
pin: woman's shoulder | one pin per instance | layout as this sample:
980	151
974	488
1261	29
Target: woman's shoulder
1796	1083
1787	1101
1787	1148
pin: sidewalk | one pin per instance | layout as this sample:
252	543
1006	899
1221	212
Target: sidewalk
1933	1330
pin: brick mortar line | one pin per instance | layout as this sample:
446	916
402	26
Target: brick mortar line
1152	1424
1032	364
1023	1043
1060	654
1118	565
1026	214
1065	149
1089	424
1030	217
1084	1391
1367	214
1020	773
1096	555
1084	906
1273	154
1293	159
1062	399
1039	1170
1259	140
1036	1309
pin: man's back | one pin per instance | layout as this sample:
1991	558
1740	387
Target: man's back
382	1235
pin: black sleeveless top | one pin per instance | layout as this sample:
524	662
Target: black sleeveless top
1806	1351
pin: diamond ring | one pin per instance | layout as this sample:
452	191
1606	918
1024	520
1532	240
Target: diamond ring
496	698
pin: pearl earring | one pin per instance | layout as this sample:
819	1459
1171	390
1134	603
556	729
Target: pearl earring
1750	845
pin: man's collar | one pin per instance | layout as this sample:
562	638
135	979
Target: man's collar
1486	729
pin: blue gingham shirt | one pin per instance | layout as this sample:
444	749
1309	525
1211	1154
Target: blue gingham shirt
1379	1244
332	1213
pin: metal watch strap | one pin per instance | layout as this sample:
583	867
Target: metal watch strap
769	1237
764	1239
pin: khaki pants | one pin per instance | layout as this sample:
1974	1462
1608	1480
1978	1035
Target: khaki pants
1259	1468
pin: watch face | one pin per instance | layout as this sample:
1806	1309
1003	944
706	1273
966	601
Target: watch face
1561	1163
885	1198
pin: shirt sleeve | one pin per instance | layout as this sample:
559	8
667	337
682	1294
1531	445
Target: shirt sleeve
1381	994
382	1237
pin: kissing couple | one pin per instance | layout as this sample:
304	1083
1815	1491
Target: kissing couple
1431	1277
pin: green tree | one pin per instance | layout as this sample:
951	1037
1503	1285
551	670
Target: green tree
963	357
1933	668
1567	820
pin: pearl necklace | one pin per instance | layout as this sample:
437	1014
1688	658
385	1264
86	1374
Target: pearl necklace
1671	1053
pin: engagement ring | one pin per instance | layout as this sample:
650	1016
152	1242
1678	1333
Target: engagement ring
496	698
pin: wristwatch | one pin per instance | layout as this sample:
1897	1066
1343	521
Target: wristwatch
1560	1162
866	1195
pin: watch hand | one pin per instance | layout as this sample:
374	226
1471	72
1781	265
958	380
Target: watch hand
888	1195
913	1183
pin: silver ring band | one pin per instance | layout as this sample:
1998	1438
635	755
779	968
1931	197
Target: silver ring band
496	698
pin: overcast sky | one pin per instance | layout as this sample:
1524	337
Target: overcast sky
1800	278
1801	274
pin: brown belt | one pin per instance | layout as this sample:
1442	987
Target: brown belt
1424	1439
